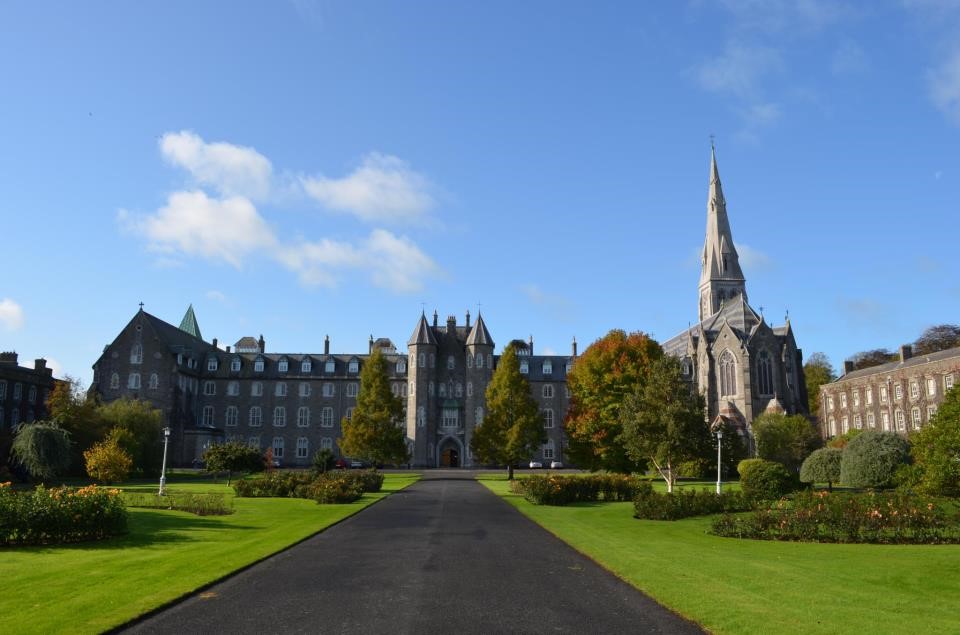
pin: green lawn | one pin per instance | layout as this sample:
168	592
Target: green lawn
744	586
90	587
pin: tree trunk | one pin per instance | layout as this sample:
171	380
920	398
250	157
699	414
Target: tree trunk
510	472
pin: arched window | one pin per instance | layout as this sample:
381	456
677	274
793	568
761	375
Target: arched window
303	446
469	389
423	360
303	417
279	416
469	360
278	447
764	373
115	381
548	418
133	381
154	381
231	417
548	391
421	416
254	442
256	418
326	443
235	364
479	360
459	391
728	374
136	354
451	363
479	415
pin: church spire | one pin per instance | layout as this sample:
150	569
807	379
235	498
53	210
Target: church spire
720	276
189	323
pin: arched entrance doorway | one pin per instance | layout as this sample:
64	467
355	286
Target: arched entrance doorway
449	453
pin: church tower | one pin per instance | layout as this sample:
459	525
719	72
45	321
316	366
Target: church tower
721	278
422	349
479	372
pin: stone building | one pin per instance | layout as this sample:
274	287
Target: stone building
23	391
294	402
900	396
742	365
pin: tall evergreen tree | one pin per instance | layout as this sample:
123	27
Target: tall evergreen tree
375	432
512	429
816	372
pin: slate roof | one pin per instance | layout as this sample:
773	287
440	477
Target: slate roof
737	313
422	334
479	335
189	323
174	337
918	360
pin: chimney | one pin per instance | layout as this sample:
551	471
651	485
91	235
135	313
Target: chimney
9	357
451	324
40	365
326	345
434	318
262	344
228	349
370	345
530	344
847	366
468	319
906	352
574	345
214	342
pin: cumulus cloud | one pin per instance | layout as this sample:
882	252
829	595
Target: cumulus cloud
383	188
216	296
943	82
228	168
753	259
11	315
739	69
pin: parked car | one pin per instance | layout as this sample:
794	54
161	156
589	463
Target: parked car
556	465
341	464
357	464
277	462
536	465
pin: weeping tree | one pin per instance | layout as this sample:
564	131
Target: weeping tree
42	448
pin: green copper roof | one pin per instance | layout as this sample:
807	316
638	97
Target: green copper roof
189	323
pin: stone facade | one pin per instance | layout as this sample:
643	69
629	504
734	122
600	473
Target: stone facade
23	391
900	396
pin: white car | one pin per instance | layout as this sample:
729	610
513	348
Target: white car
535	465
556	465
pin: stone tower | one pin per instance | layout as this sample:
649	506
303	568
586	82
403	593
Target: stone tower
479	371
422	348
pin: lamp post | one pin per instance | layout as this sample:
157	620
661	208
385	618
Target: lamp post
719	438
163	467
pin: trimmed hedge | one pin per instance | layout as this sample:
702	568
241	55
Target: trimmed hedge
762	480
885	517
63	514
563	490
822	466
330	487
871	459
651	505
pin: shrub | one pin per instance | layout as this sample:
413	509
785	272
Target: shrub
871	459
233	457
765	480
697	468
786	439
323	460
275	485
935	450
564	490
64	514
336	490
42	448
201	504
823	466
651	505
841	441
893	518
108	462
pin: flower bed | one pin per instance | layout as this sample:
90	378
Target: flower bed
887	518
63	514
651	505
563	490
330	487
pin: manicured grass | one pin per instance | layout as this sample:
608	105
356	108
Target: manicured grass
744	586
91	587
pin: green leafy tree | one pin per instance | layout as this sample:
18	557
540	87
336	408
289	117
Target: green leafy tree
610	369
137	426
873	357
663	422
512	429
871	459
233	457
733	450
786	439
323	460
763	480
822	466
937	338
107	462
841	441
936	449
42	448
816	372
77	413
376	431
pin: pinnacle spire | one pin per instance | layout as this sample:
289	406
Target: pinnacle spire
189	323
479	335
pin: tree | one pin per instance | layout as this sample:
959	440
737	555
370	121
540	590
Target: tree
323	460
375	432
936	449
77	413
873	357
872	458
610	369
138	428
42	448
817	371
763	480
512	429
733	450
107	462
786	439
822	466
937	338
663	421
841	441
233	457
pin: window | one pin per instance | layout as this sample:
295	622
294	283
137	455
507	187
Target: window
303	446
883	394
898	415
421	416
524	367
469	389
303	417
282	366
423	360
433	360
569	367
351	390
304	389
868	392
136	354
931	410
279	417
330	366
857	422
833	427
914	390
328	390
235	364
280	390
326	443
429	388
548	391
932	387
548	418
885	419
258	366
254	442
154	381
133	381
898	392
450	418
114	384
451	363
566	391
948	382
844	424
256	417
32	394
209	388
278	447
871	420
856	398
354	366
349	414
548	367
256	388
830	402
231	417
459	392
179	359
728	374
479	360
14	417
233	388
478	415
443	389
212	363
843	400
207	420
765	376
489	360
306	366
915	416
469	360
401	366
326	417
549	450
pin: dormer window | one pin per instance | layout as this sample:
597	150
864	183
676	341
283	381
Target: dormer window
235	364
451	363
179	359
354	366
569	367
524	367
258	366
212	364
306	366
402	366
548	368
282	366
329	367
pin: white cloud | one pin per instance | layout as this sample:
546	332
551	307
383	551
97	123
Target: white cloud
944	85
383	188
230	169
753	259
739	69
777	16
56	366
194	224
216	296
537	296
11	315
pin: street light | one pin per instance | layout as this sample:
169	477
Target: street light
163	467
719	438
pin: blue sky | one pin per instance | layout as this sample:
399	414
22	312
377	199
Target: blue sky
306	168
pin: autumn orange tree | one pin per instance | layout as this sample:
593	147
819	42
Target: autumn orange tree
610	369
